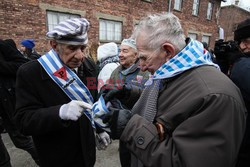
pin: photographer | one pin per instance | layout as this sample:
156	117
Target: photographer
240	75
226	52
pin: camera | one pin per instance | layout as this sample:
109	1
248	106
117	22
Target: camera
225	47
225	54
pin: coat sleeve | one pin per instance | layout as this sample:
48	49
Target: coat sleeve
210	136
32	117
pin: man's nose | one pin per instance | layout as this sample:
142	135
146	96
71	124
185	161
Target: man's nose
79	54
120	54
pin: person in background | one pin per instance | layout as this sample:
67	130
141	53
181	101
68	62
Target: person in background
27	49
107	56
240	75
54	106
127	79
190	113
10	60
126	83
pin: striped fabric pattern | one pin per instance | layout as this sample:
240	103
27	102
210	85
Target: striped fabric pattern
100	110
193	55
72	31
72	86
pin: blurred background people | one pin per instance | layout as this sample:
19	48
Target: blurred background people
107	56
28	49
10	60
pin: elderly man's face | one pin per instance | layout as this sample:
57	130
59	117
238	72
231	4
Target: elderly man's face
150	60
71	55
127	56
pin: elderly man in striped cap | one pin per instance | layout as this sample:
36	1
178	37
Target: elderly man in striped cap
53	102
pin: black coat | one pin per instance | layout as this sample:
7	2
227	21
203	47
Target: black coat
10	60
240	75
59	143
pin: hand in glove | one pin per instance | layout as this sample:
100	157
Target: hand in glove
117	91
117	120
103	141
73	110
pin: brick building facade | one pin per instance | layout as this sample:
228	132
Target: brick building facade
235	14
32	18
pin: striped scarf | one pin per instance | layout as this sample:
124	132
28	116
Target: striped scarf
67	80
193	55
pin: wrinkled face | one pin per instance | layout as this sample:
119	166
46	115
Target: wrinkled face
150	60
127	56
71	55
245	45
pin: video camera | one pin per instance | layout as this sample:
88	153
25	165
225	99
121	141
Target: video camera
225	53
225	47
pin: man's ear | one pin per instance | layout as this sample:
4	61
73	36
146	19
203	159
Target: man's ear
169	49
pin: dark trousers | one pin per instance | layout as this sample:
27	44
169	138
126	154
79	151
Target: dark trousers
125	155
7	108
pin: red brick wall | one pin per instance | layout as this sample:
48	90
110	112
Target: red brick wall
230	16
199	23
25	19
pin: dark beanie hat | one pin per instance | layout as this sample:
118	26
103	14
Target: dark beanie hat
242	31
28	43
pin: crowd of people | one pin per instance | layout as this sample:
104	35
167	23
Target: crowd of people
160	94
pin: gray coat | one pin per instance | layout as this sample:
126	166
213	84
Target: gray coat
205	118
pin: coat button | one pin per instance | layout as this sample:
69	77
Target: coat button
140	140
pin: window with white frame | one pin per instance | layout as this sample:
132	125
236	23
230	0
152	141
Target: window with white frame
178	5
53	18
205	38
110	30
192	35
196	5
209	10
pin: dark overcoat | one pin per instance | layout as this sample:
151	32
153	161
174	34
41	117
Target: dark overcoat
240	75
204	118
10	60
59	143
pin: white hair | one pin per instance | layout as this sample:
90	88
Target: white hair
160	28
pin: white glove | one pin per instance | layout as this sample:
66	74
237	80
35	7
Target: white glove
73	110
104	141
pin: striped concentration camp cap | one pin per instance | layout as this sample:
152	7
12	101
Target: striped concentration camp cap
72	32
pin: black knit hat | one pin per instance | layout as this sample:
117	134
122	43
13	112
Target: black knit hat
242	31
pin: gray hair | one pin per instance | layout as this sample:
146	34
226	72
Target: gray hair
160	28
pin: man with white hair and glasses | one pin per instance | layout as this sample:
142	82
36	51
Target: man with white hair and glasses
53	102
190	113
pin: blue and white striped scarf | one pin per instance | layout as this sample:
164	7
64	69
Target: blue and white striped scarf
71	85
193	55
